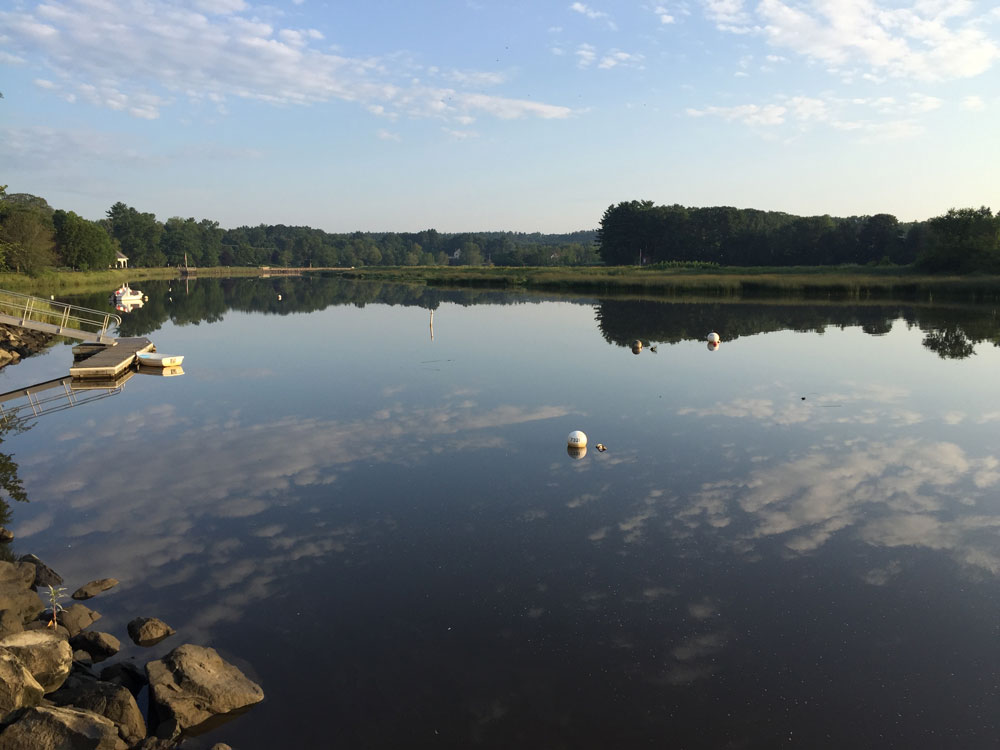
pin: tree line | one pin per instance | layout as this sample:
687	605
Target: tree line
640	232
34	236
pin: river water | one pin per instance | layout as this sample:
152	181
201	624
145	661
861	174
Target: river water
362	496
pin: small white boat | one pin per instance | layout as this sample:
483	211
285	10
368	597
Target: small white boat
125	293
152	359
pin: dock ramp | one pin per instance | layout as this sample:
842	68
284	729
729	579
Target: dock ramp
57	318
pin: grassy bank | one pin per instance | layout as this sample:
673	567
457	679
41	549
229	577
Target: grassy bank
847	283
81	282
822	282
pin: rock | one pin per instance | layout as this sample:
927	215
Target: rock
148	631
6	535
17	687
44	728
18	603
19	574
220	746
155	743
99	645
44	575
46	627
82	657
127	674
94	588
9	623
192	684
111	701
46	655
77	617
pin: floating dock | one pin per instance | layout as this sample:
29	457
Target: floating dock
108	361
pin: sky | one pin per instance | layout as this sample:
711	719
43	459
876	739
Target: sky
474	115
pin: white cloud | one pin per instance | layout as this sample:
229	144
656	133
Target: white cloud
728	15
461	135
973	103
385	135
807	108
616	58
664	14
748	114
871	120
585	55
595	15
925	41
475	78
141	57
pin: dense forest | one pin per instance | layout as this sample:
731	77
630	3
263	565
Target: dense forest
35	237
641	233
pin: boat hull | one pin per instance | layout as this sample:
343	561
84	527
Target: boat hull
151	359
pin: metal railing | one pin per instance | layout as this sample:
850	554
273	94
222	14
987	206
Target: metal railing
53	395
59	318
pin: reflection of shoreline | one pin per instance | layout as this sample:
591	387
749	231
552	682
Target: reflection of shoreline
951	329
951	332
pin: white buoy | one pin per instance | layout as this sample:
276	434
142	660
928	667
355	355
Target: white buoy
576	439
713	346
713	338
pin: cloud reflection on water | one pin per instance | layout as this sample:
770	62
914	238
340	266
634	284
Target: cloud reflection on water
904	492
186	475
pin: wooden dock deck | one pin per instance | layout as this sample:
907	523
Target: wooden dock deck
97	361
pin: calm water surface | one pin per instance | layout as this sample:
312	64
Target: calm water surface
791	541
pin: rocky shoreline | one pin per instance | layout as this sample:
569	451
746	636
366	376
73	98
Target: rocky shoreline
53	696
17	343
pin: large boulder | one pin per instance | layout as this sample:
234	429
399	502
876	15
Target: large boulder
77	617
148	631
17	687
44	575
17	600
192	684
46	655
99	645
10	622
92	589
111	701
44	728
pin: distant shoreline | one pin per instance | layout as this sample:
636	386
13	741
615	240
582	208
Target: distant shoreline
851	283
817	282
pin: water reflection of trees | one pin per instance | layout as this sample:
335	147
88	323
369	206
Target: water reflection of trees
951	332
207	300
11	486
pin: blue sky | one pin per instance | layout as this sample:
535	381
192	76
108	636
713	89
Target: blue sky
477	115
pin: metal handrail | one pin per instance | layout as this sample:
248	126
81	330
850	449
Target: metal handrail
63	397
60	314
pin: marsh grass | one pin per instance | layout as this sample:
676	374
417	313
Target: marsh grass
845	282
83	282
671	279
